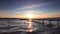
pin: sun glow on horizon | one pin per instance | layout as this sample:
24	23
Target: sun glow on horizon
29	15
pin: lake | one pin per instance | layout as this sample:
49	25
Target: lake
25	26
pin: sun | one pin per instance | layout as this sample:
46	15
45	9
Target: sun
29	15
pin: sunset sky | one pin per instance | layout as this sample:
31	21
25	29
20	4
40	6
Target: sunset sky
38	8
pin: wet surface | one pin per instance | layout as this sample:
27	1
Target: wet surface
20	27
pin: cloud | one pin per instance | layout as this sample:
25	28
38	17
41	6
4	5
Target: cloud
32	6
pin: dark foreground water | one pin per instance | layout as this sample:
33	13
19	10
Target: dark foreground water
14	26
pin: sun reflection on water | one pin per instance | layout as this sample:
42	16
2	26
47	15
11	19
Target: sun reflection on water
30	26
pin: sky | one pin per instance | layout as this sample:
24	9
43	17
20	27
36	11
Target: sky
20	8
